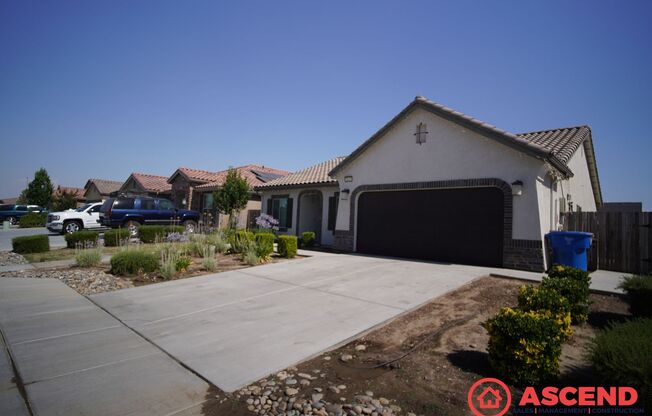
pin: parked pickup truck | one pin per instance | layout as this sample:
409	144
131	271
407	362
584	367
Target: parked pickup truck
133	211
12	213
86	216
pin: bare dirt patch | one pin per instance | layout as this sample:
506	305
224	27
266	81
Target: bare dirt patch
425	361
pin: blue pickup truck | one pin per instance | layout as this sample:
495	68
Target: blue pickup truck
133	211
12	212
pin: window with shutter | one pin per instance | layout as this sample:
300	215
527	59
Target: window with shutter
333	203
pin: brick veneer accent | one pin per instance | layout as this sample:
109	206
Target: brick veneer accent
517	254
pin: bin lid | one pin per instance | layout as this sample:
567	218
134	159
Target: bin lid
576	234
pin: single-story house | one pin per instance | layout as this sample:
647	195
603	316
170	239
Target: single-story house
146	184
80	199
436	184
97	190
9	201
193	189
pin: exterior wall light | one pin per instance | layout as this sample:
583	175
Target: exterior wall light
517	188
348	178
344	194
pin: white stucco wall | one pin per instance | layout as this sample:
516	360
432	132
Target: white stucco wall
450	152
327	238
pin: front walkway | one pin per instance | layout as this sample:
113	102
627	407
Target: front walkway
74	358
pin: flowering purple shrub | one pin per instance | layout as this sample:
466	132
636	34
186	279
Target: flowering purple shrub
176	238
267	222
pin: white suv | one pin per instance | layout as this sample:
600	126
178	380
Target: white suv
84	217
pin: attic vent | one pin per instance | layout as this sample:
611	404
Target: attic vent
421	133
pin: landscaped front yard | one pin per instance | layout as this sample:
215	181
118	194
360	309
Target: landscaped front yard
423	362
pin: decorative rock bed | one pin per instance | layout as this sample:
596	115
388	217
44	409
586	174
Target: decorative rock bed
84	281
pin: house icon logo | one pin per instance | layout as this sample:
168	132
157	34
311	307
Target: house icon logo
489	397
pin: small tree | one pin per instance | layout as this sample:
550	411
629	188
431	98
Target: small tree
232	197
39	190
63	200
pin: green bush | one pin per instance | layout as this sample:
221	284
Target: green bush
153	233
31	244
573	284
250	255
83	238
113	238
639	294
88	257
546	300
308	239
133	262
622	355
287	246
240	241
265	244
524	347
33	219
182	263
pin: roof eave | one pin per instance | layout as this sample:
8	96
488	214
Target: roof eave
294	186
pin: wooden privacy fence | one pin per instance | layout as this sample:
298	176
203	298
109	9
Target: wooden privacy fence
622	240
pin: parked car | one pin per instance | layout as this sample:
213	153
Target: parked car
84	217
12	212
133	211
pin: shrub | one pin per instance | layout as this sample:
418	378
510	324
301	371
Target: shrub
31	244
132	262
83	238
250	256
308	239
547	301
287	246
33	219
113	238
524	346
240	241
153	233
622	355
573	284
267	222
217	240
183	262
639	294
208	259
88	257
265	244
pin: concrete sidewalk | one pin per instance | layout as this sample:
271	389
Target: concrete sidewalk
602	281
74	358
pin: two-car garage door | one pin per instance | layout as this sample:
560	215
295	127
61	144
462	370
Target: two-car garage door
462	225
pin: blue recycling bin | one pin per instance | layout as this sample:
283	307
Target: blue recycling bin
569	248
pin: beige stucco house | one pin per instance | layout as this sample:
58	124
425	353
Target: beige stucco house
436	184
147	184
97	190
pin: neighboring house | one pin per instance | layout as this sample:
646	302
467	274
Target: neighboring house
436	184
317	198
77	192
97	190
146	184
9	201
193	189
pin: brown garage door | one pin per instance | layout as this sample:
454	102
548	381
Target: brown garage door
452	225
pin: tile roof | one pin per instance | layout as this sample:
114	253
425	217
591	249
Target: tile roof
104	186
316	174
77	192
152	183
197	174
562	143
255	175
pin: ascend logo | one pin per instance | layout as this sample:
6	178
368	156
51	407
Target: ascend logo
491	397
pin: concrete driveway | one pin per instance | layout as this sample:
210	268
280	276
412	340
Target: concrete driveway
236	327
56	240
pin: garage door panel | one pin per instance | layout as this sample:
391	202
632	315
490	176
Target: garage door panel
453	225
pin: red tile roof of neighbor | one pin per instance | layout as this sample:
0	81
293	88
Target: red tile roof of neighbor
255	175
316	174
77	192
104	186
152	183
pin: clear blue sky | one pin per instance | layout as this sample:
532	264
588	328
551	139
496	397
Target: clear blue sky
105	88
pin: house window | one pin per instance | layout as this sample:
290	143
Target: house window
208	200
333	203
421	133
280	207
